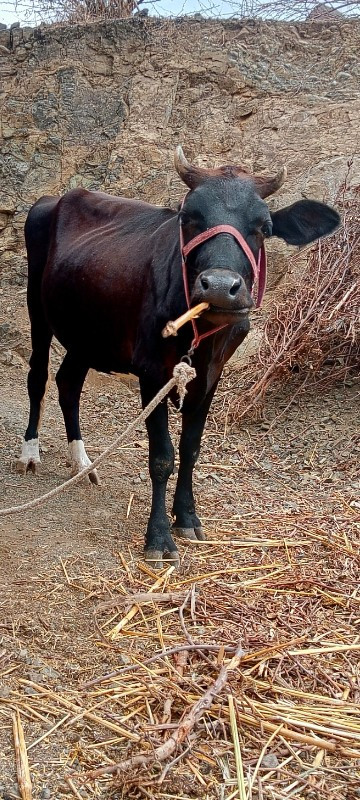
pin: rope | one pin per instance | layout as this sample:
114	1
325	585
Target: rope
182	374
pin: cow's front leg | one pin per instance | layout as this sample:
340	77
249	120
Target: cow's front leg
158	540
187	523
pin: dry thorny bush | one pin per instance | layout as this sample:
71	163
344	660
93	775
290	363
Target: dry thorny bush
77	11
313	331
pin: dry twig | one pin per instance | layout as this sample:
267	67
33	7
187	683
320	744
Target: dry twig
187	724
172	327
22	764
315	331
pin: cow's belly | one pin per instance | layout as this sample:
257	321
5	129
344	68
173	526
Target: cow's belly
97	323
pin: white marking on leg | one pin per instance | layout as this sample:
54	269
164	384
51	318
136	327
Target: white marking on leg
78	455
30	456
79	459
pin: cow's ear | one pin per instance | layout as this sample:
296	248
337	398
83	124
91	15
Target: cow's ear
304	221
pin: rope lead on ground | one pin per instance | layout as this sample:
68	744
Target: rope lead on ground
182	374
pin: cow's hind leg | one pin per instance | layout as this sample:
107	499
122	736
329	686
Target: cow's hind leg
70	380
158	540
187	523
37	381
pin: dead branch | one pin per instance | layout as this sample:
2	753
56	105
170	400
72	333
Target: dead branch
181	661
187	724
183	626
163	654
319	326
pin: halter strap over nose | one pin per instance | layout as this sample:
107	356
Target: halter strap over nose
258	267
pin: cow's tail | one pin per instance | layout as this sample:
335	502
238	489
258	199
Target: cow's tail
37	237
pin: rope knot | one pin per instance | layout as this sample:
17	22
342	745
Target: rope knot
183	374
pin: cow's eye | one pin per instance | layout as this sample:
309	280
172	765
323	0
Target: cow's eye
266	229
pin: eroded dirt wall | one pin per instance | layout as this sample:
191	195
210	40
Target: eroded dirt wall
104	105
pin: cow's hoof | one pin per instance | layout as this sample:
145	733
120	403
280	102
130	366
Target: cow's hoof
91	477
158	560
29	460
94	477
78	459
23	466
193	534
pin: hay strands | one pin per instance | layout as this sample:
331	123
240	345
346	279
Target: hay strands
237	750
289	734
82	712
141	597
114	632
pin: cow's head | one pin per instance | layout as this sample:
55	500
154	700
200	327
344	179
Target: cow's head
219	272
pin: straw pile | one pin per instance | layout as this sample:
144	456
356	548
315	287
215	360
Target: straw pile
288	707
314	328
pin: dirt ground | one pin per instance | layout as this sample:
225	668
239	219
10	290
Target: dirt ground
292	482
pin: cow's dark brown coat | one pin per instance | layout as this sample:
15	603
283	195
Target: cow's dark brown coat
104	278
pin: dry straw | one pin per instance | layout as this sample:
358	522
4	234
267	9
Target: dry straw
192	702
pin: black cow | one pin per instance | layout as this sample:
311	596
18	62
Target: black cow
105	275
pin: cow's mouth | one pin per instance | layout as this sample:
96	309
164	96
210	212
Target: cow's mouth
232	312
218	315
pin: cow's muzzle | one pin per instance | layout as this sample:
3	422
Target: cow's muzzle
226	293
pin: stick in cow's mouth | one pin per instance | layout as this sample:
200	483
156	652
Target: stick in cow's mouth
172	327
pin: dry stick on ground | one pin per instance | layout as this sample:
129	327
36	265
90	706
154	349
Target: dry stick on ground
181	661
164	654
184	628
22	764
258	654
186	725
73	788
141	597
172	763
135	607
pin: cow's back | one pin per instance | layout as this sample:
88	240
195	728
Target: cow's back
96	274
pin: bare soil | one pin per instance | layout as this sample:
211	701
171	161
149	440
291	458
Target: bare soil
289	477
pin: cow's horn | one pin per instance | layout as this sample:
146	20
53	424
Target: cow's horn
268	185
181	164
188	173
192	176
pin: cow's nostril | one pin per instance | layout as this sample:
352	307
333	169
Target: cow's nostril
235	288
204	283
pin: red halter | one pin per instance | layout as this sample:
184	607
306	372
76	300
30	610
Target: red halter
258	268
